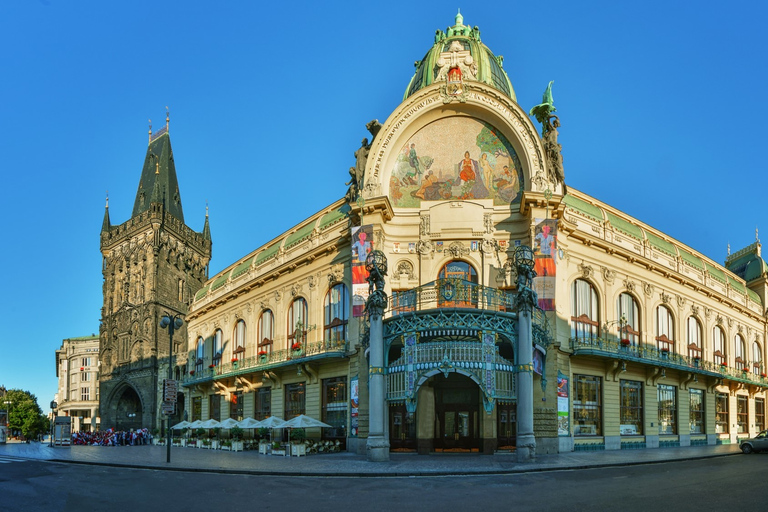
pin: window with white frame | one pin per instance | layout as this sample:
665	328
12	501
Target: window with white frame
721	413
697	411
665	329
85	393
667	409
693	337
336	314
742	414
85	376
585	321
718	346
629	320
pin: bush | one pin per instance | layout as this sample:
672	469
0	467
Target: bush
236	433
298	434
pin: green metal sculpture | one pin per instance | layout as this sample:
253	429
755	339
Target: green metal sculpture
543	113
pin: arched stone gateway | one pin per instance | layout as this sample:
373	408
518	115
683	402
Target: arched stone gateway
128	410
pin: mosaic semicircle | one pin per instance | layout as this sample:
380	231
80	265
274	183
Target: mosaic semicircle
456	158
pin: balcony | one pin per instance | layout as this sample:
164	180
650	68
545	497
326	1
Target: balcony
274	359
650	355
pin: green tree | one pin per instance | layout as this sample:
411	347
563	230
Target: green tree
24	414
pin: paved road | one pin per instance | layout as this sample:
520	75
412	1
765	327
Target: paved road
722	483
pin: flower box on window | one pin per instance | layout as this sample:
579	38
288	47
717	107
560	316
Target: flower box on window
211	366
763	375
234	359
625	342
191	372
296	347
723	365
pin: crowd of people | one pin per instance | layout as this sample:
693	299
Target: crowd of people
112	437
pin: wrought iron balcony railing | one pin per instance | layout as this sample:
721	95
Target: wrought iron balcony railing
308	351
652	355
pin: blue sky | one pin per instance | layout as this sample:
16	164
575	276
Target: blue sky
268	103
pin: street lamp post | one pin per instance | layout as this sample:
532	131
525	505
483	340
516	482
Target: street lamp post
171	323
54	405
7	420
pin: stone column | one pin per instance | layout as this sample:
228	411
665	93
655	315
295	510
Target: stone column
525	301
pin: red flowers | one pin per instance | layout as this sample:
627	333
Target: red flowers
211	366
625	342
191	372
262	352
296	346
234	359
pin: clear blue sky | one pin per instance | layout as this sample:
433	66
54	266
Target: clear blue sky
268	102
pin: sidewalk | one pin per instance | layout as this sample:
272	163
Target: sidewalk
349	464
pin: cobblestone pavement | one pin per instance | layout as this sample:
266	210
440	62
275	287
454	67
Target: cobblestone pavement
349	464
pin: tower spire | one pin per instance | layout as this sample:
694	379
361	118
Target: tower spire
206	226
150	132
167	118
106	224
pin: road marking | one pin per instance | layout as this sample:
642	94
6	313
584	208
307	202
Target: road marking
8	461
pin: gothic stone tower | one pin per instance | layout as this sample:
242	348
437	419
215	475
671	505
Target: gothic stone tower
152	265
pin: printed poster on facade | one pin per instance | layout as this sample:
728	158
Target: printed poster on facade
362	245
545	245
563	421
354	404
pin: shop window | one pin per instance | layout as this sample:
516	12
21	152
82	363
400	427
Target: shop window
693	337
295	400
214	407
721	413
665	330
587	405
585	322
266	331
667	409
236	405
742	414
335	402
697	411
197	408
336	315
629	325
718	346
760	413
263	409
238	354
631	408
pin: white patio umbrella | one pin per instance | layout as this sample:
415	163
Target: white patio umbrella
271	423
229	423
181	425
196	424
302	421
249	423
211	423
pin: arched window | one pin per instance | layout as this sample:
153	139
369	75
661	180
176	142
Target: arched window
297	323
629	320
217	346
693	337
757	358
739	352
718	346
266	332
336	315
665	329
585	322
455	285
199	354
238	354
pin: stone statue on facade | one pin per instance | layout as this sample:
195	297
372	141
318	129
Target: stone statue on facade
357	173
544	114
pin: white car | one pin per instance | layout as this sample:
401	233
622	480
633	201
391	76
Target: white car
756	444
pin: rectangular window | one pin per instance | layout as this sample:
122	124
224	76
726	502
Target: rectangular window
335	407
697	411
631	408
73	394
295	400
721	413
263	404
85	393
85	361
667	409
236	406
742	414
587	411
214	407
760	413
85	377
72	379
197	408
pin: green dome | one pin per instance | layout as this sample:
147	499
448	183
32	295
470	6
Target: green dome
454	45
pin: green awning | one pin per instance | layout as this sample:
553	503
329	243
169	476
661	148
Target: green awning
581	206
242	268
716	273
736	285
331	218
625	227
219	282
692	260
661	244
267	253
300	235
202	292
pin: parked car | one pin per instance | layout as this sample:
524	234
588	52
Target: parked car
756	444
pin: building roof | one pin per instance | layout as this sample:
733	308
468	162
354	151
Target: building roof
747	263
486	66
158	178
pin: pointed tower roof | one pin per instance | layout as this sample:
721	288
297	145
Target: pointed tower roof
206	227
158	177
105	225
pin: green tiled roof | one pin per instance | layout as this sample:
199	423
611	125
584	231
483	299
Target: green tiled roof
300	235
201	293
625	227
716	273
581	206
267	253
332	218
736	285
219	282
661	244
242	268
747	264
691	259
754	296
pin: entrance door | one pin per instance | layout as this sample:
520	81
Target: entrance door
457	405
507	426
458	429
402	429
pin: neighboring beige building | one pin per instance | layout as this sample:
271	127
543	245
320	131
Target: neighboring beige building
77	368
638	340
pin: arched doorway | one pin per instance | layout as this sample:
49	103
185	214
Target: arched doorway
457	414
128	415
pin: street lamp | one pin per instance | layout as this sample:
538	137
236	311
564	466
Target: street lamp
7	419
54	405
171	323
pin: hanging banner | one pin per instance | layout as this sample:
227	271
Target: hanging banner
544	257
563	421
362	245
354	398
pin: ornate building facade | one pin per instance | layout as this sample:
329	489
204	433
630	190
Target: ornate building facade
77	368
631	339
153	264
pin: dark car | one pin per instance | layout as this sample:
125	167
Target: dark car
756	444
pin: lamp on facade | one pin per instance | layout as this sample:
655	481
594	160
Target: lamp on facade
171	323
